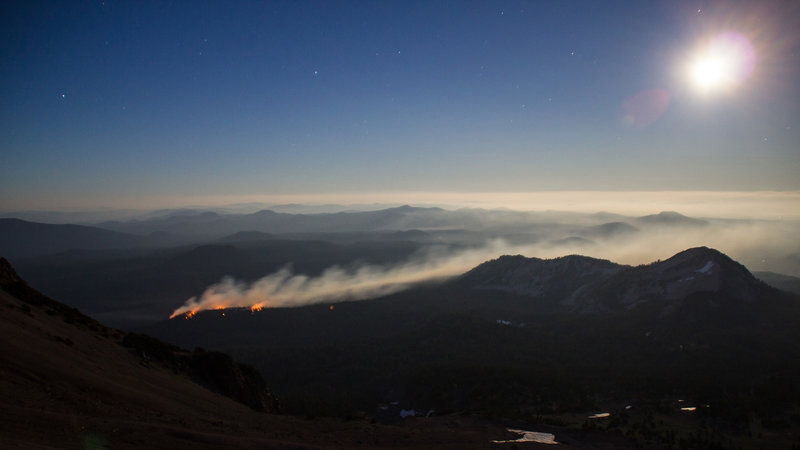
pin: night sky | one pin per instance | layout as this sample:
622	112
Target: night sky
122	104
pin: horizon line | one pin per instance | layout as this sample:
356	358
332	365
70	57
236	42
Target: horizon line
709	203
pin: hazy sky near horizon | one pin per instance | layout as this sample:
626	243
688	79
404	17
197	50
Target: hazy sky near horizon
110	103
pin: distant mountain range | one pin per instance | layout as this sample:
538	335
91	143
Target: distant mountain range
19	238
392	219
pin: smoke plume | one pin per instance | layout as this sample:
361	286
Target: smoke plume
283	288
760	245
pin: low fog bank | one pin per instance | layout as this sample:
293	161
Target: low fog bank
758	244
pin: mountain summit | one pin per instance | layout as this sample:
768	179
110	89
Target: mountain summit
582	284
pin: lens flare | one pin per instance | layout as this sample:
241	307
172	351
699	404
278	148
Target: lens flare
723	63
644	108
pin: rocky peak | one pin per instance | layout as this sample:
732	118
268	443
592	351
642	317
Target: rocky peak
702	260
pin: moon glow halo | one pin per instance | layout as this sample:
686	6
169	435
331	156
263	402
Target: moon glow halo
722	64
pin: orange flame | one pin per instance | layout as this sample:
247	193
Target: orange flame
191	313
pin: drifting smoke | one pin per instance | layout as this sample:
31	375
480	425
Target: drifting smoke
284	288
757	244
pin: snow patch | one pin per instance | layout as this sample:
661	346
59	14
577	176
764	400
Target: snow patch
706	268
529	436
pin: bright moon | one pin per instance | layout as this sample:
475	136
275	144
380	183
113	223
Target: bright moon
726	61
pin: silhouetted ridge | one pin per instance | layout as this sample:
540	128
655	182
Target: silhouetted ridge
671	218
7	273
11	283
612	229
21	238
520	266
554	279
214	370
693	256
585	284
781	281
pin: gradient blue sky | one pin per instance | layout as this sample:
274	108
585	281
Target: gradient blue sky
109	103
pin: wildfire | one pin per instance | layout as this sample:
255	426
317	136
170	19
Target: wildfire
219	307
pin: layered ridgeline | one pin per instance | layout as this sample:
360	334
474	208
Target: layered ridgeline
522	334
22	238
